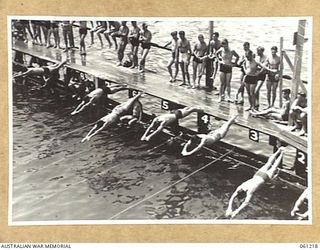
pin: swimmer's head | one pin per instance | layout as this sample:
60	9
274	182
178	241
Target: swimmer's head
301	95
260	50
246	45
178	114
215	35
174	33
224	42
249	54
181	33
286	92
274	49
241	194
144	26
124	23
201	38
134	23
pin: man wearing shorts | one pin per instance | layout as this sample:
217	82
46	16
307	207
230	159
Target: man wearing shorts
199	57
184	49
174	56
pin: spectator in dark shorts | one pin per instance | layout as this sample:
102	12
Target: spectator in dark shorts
225	55
198	62
114	26
134	41
281	114
246	48
262	74
123	34
215	45
145	38
67	35
250	68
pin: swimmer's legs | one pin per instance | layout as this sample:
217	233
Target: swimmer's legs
225	127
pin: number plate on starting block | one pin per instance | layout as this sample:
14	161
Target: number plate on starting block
254	135
203	123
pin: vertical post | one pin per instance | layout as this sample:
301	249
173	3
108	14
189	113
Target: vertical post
209	81
281	72
296	80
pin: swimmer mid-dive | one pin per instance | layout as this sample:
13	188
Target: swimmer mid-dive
161	121
264	174
113	117
135	114
45	71
96	96
207	139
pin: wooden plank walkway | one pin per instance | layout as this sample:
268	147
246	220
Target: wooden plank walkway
156	85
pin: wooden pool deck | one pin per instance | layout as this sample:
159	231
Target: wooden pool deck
96	64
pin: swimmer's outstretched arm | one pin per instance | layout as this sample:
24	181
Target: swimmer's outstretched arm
186	153
160	128
148	130
93	132
299	202
242	206
28	72
81	107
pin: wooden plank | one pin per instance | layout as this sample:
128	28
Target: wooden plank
155	85
288	61
281	72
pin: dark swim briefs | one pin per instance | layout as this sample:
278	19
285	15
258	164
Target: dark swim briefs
224	68
145	45
250	79
261	77
134	41
197	59
263	175
285	117
82	31
272	78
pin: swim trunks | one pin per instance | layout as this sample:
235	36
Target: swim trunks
272	77
250	79
134	41
82	31
173	54
197	59
106	90
184	57
261	77
145	45
224	68
263	175
285	117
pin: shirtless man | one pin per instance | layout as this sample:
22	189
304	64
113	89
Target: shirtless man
134	40
45	71
272	66
83	33
225	55
250	68
248	188
97	96
145	38
261	77
111	118
123	34
135	114
114	27
199	56
274	113
299	112
207	139
296	209
184	53
101	29
174	56
161	121
215	45
246	48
